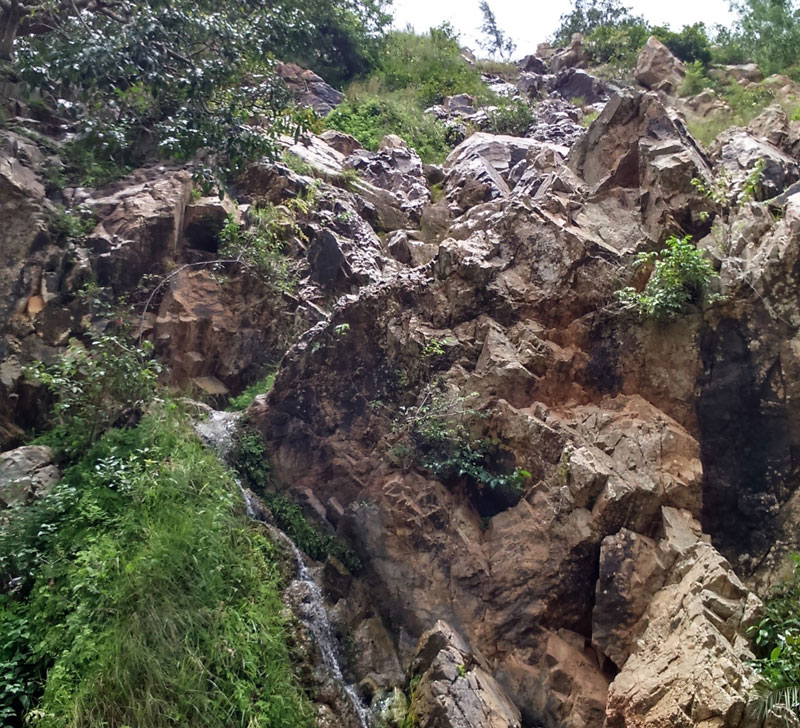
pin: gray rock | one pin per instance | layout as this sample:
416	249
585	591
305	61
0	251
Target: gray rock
26	473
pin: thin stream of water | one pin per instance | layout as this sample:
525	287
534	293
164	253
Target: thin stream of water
217	432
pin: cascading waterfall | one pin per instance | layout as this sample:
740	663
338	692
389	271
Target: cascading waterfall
217	431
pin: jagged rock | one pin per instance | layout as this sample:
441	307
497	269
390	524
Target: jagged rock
573	83
690	665
26	473
478	169
455	690
573	56
398	169
739	152
309	89
743	72
140	224
533	64
772	125
657	68
343	143
531	85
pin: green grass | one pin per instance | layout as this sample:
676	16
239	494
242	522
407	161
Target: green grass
369	117
245	399
145	597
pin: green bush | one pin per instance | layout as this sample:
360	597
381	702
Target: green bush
143	596
309	538
434	435
691	44
68	226
680	275
429	65
261	245
776	643
94	386
511	116
369	118
618	45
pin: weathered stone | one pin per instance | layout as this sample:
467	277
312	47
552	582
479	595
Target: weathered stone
309	89
454	689
657	68
26	473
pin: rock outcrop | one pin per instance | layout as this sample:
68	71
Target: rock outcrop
657	68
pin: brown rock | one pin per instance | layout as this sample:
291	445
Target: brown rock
657	68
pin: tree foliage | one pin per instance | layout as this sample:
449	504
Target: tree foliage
171	78
587	16
495	41
770	32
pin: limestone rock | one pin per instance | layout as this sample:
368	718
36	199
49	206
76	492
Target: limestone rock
657	68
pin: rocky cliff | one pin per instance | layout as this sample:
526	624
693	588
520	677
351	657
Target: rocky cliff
615	588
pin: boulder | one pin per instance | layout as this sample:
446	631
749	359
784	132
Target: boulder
573	56
343	143
396	168
26	473
574	83
738	151
657	68
479	169
309	89
533	64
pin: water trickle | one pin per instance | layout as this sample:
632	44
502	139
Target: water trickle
217	431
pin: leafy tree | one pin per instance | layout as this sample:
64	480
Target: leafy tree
589	15
689	44
495	41
770	31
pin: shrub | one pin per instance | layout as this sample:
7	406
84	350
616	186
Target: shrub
725	198
369	118
680	275
309	538
691	44
261	245
511	116
434	435
67	226
143	595
95	386
429	65
695	80
776	643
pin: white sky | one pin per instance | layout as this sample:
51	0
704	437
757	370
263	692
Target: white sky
531	22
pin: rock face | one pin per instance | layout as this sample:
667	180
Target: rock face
603	593
454	689
594	598
657	68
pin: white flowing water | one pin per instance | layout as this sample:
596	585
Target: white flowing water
217	432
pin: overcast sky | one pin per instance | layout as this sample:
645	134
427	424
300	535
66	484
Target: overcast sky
532	21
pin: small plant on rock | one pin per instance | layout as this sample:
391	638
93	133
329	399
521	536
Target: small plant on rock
725	198
680	275
434	436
